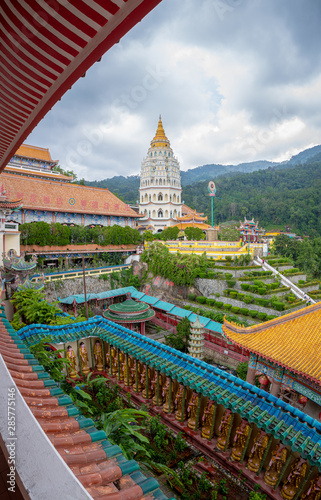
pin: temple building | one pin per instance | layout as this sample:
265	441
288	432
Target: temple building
191	218
286	351
160	192
250	232
49	196
130	313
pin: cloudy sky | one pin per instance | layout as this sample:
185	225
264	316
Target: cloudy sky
234	81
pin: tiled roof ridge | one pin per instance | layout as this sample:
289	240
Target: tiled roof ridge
96	463
271	323
25	171
271	414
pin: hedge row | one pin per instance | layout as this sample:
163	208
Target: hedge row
234	309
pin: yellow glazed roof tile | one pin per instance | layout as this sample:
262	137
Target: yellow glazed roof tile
292	341
34	152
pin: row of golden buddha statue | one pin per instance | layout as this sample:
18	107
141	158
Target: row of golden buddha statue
83	360
201	413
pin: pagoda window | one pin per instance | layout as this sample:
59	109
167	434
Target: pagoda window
154	197
170	197
156	182
160	213
166	214
160	197
175	214
177	199
146	198
145	212
154	214
179	214
150	197
174	198
171	215
160	182
166	197
149	214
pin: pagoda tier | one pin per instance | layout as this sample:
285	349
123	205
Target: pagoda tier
160	191
196	340
250	232
129	313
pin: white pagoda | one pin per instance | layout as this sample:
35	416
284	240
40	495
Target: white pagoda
160	192
196	340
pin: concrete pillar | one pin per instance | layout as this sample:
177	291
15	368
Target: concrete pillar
212	234
275	388
250	377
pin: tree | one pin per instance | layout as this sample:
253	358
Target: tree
194	233
179	340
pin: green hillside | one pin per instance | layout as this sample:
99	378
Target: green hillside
274	196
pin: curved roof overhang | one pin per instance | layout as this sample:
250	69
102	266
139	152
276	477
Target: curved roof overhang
46	46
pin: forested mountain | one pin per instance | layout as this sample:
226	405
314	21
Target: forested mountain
127	187
285	194
274	196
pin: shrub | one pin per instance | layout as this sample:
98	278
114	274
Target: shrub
301	282
244	311
258	283
241	370
231	283
227	307
252	288
279	306
240	296
228	276
202	275
245	286
191	296
201	300
270	316
274	286
248	299
235	309
210	302
219	304
233	295
262	316
261	291
253	314
210	275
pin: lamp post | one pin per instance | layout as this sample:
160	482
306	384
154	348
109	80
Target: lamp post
212	190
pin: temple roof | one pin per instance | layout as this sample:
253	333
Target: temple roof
40	194
97	464
184	225
273	415
35	152
160	140
292	341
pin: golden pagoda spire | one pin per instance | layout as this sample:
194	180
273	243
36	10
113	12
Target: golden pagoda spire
160	140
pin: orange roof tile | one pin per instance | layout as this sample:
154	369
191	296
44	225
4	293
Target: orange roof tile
292	341
34	152
39	194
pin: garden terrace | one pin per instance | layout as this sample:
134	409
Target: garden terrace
201	383
73	458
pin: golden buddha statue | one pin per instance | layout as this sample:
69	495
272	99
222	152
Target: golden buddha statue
192	411
98	356
256	454
165	394
72	360
114	360
207	420
153	386
275	466
223	429
314	491
240	441
84	368
178	402
120	373
294	479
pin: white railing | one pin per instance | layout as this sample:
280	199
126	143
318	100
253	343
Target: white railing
285	281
